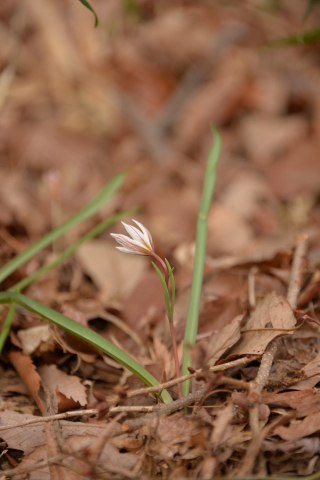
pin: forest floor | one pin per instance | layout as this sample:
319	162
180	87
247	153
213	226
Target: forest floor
139	92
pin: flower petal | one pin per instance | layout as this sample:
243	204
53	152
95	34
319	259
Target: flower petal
132	245
131	252
133	232
146	234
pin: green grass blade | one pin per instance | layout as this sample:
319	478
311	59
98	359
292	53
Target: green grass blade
90	209
88	6
85	334
94	232
173	285
7	326
201	240
166	292
304	38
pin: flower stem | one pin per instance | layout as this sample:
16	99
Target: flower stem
173	336
163	265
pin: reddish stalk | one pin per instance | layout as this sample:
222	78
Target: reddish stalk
173	336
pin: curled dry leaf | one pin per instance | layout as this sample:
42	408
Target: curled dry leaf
271	310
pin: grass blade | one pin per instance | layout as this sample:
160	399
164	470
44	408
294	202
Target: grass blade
88	6
201	240
166	292
7	326
90	209
85	334
94	232
173	286
304	38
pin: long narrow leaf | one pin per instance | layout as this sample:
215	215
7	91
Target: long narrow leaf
173	286
201	240
304	38
5	330
85	334
87	4
94	232
166	292
90	209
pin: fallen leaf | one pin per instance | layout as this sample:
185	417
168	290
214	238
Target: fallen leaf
114	273
27	371
37	340
297	430
264	137
31	440
305	402
272	309
68	389
219	343
290	175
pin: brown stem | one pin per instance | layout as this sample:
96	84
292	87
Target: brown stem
173	337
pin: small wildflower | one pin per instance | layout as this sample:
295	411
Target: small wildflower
140	242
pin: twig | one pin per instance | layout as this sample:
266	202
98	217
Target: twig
298	267
49	418
217	368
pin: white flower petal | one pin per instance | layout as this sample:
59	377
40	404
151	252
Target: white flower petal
146	234
131	252
140	242
133	232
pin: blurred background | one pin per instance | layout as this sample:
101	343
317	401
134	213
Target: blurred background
80	104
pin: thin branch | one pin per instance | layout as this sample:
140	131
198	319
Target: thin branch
217	368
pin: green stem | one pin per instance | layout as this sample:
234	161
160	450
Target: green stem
173	336
201	240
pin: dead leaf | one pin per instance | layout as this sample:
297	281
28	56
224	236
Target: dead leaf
68	389
305	402
114	273
300	429
27	371
265	137
272	309
37	340
219	343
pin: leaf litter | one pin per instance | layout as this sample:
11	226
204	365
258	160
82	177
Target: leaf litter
140	93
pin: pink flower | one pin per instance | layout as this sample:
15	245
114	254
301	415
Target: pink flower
140	242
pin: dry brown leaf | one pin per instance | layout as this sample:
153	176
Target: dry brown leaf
306	402
31	440
219	343
37	340
290	176
222	430
27	371
265	137
272	309
114	273
68	389
228	232
301	429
